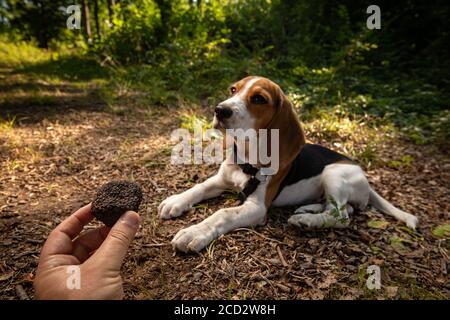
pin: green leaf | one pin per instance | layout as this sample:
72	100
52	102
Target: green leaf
442	231
378	224
396	242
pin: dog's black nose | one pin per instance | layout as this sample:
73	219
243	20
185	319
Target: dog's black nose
223	112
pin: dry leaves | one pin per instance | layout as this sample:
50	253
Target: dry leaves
52	163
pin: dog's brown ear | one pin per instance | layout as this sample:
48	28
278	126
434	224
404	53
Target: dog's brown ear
291	135
291	141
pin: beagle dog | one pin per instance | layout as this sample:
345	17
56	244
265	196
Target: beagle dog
307	173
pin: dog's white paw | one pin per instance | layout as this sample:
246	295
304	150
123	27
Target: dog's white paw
193	238
318	220
173	206
412	222
305	219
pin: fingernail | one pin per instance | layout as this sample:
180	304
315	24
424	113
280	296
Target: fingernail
131	218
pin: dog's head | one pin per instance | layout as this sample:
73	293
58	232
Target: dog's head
252	104
259	103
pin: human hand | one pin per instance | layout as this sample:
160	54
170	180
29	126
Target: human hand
97	254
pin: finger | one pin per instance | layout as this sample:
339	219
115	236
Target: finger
60	239
88	242
73	225
113	250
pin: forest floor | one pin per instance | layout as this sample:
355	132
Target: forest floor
59	141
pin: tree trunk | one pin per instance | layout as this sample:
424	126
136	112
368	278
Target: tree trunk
111	5
87	24
165	10
97	23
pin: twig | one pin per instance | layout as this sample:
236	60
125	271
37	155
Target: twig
283	261
261	276
442	250
81	183
21	293
146	245
26	253
261	235
283	287
35	241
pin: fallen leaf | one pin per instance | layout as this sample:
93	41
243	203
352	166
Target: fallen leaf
397	242
6	276
378	224
391	291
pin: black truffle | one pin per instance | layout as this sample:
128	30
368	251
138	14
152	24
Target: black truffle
115	198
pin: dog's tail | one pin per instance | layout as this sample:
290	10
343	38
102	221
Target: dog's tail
384	206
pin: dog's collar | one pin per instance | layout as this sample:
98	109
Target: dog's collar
255	177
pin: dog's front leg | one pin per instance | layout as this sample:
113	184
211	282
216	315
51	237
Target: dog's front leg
175	205
198	236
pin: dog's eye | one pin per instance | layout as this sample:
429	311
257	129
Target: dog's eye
233	90
258	99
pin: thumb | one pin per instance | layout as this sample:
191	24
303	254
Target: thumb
113	250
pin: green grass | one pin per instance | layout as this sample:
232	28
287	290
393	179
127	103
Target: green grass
20	53
442	231
7	125
403	162
35	98
24	57
337	103
416	109
192	122
68	67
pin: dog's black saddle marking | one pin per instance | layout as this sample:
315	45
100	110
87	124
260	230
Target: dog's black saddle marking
309	163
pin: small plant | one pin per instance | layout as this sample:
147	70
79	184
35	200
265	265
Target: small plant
404	162
7	124
442	231
336	211
12	165
20	53
193	122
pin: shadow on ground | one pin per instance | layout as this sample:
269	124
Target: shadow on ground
27	98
